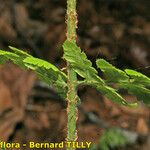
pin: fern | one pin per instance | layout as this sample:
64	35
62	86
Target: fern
83	67
138	78
78	64
112	74
142	93
134	82
115	138
21	53
112	138
45	70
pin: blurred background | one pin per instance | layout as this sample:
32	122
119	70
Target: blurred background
117	30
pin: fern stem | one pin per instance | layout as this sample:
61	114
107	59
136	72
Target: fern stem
71	20
72	111
72	96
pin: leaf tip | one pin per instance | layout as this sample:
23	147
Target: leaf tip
133	105
11	47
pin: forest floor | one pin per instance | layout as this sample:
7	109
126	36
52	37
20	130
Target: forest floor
118	31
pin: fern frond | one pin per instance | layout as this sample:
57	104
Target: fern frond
79	61
83	67
137	77
134	82
112	73
45	70
21	53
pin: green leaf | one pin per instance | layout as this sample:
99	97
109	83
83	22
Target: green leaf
82	66
139	91
130	80
21	53
45	70
53	78
138	77
48	73
42	63
79	61
112	73
7	56
112	138
3	59
112	94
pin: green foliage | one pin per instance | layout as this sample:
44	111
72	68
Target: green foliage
79	62
112	74
48	73
111	139
139	91
83	67
138	78
21	53
45	70
116	75
134	82
5	56
112	94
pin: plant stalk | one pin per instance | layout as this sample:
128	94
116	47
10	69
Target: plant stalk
72	97
71	20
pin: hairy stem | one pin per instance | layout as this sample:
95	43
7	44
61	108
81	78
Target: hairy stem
71	20
72	106
72	96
